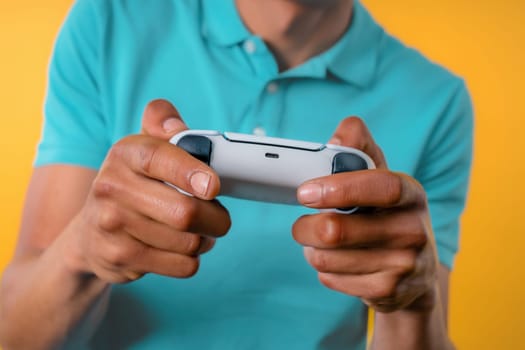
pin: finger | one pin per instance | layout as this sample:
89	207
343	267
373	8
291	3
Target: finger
129	258
368	188
360	261
380	285
164	237
352	132
162	204
162	120
162	161
382	290
394	230
167	264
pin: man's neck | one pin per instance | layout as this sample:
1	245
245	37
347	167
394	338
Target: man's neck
296	30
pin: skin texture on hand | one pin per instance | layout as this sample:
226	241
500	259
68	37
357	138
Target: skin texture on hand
84	231
386	255
127	233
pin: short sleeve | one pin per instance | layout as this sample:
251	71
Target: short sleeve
74	129
445	171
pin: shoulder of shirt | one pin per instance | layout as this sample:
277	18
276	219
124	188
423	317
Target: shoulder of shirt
415	70
143	10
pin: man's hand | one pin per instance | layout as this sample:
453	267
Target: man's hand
133	223
386	256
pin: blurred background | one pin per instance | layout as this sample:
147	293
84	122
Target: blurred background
481	41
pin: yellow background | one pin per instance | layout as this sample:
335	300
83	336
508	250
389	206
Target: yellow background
479	40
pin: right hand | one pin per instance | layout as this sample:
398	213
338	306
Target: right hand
133	223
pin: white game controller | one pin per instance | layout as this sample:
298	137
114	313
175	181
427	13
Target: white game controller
268	169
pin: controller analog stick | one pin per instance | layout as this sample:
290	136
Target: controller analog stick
198	146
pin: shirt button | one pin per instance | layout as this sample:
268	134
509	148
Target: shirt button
272	87
259	131
249	46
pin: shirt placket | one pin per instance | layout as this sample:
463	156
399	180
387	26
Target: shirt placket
269	104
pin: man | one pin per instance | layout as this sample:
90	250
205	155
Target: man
98	214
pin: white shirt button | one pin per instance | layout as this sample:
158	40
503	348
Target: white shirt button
249	46
272	87
259	131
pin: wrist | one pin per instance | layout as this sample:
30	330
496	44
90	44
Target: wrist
425	303
420	325
72	259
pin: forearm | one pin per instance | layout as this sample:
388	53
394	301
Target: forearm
44	301
421	327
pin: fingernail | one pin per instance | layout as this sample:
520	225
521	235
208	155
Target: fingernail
308	252
335	141
171	124
310	193
199	182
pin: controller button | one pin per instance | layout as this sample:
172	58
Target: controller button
343	162
198	146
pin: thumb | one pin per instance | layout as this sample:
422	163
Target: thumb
162	120
352	132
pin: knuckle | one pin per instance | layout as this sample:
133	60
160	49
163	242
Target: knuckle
331	190
419	240
415	234
406	262
393	189
109	219
120	256
193	244
121	149
104	188
207	244
147	154
385	288
183	214
117	256
331	231
319	261
118	150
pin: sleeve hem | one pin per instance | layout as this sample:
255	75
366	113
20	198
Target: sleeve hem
446	255
91	159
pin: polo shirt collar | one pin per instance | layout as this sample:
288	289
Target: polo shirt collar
352	59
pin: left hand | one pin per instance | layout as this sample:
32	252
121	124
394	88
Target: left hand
385	256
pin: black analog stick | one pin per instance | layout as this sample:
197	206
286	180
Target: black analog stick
198	146
344	162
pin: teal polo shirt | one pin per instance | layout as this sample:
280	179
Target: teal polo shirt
255	289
